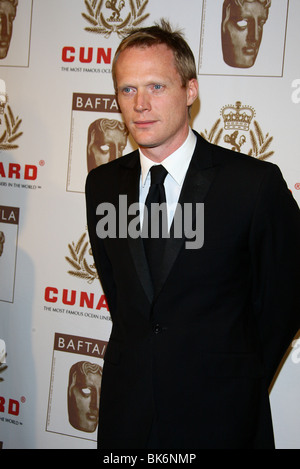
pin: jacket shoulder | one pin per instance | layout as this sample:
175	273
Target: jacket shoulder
111	169
221	156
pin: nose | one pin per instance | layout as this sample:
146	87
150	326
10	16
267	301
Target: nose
95	398
113	152
4	25
141	102
254	32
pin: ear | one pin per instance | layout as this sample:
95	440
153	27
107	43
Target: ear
192	91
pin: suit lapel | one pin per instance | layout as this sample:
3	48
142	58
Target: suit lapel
197	182
129	185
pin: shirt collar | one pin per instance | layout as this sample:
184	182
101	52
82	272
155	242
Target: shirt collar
176	164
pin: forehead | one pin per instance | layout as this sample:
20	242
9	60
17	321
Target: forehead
113	135
88	378
6	7
253	9
145	59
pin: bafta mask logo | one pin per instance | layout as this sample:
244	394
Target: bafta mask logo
8	11
242	29
9	125
2	241
107	138
114	16
240	131
84	395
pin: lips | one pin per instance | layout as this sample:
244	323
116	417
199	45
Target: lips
249	50
144	123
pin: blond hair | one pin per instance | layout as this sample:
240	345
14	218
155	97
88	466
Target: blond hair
161	34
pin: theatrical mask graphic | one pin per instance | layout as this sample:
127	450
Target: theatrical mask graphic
107	139
2	241
242	30
8	10
84	395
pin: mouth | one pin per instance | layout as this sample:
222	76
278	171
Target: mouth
92	417
249	50
144	124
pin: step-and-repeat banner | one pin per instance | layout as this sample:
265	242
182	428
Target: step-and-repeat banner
58	119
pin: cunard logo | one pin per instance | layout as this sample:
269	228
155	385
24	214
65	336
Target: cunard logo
81	260
9	125
114	16
239	129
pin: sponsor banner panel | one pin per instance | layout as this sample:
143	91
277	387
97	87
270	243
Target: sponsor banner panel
59	118
74	391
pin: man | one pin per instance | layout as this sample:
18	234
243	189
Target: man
242	29
192	350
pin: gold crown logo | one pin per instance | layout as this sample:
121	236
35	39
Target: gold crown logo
237	117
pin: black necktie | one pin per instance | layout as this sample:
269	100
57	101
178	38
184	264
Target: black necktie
156	216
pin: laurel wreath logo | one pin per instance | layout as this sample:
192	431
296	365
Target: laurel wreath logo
78	260
2	368
260	143
100	25
10	133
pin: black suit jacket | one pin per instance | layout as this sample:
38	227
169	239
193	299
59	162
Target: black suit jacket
199	355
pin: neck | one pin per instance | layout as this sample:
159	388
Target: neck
159	153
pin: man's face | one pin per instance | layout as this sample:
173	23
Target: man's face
7	15
242	31
152	99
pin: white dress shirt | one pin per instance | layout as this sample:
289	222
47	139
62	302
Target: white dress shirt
176	164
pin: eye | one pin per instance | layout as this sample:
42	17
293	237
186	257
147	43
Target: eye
86	392
156	87
127	90
242	24
104	148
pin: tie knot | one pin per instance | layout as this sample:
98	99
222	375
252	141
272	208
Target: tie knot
158	174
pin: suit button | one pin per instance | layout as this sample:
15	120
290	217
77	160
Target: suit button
157	329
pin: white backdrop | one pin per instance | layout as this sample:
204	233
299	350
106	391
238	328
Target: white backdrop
57	79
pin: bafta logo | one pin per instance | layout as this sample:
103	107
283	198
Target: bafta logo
242	30
8	11
2	241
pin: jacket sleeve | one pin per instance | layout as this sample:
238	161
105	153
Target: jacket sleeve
101	259
275	251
